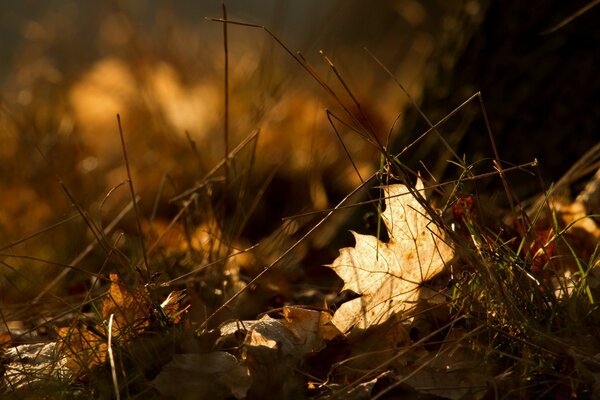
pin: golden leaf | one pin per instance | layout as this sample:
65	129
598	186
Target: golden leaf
387	275
85	346
131	309
82	348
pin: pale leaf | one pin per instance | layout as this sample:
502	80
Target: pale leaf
387	275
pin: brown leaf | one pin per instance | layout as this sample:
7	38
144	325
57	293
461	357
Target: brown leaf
27	366
388	275
5	339
273	348
85	346
311	327
82	348
300	332
131	309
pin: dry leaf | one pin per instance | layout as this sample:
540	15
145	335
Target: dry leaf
86	346
5	339
302	331
28	365
131	309
387	275
82	348
311	327
273	348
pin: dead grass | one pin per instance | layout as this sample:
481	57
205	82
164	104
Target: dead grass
513	316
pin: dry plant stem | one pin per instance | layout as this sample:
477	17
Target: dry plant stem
497	161
56	263
425	189
437	125
254	204
110	192
100	238
414	103
313	73
571	17
193	146
329	116
227	239
226	93
195	271
244	189
387	362
369	127
283	255
339	137
41	231
391	130
306	66
590	161
183	209
367	134
353	129
161	188
56	317
84	253
208	175
113	369
145	270
420	367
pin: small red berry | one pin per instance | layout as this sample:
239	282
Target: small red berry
463	207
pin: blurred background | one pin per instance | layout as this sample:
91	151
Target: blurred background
68	67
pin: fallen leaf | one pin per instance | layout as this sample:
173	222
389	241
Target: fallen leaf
273	348
28	365
387	275
84	345
311	327
82	348
5	339
130	308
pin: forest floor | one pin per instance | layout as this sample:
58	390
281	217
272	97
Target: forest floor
231	229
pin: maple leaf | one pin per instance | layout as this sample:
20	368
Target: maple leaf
387	275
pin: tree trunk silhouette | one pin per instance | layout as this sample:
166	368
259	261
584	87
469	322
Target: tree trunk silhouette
540	88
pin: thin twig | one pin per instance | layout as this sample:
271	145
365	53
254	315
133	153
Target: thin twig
226	94
203	267
43	230
571	17
144	271
210	173
427	188
283	255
